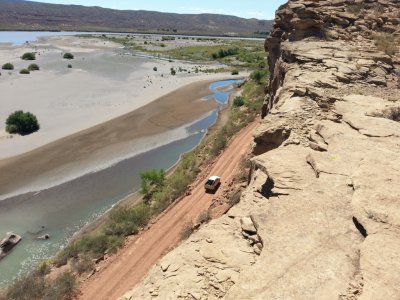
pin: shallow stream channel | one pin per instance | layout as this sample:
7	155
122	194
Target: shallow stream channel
63	210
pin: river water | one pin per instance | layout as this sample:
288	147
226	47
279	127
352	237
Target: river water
21	37
62	210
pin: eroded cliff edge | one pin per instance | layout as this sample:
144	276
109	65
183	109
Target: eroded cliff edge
320	218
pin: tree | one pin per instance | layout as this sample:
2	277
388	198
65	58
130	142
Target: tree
29	56
22	123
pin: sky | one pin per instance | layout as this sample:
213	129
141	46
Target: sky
259	9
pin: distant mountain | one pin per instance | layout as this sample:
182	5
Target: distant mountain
28	15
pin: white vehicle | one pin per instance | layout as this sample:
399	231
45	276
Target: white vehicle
212	183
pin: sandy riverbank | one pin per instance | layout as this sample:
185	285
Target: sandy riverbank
104	82
109	139
83	111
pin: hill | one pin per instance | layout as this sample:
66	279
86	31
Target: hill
320	218
28	15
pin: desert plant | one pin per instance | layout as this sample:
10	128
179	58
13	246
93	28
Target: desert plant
187	230
44	268
385	43
63	287
235	72
238	101
28	287
173	72
258	75
178	183
33	67
127	221
24	71
224	53
235	198
22	123
355	8
168	38
68	56
28	56
151	181
219	143
83	265
8	66
69	66
204	217
155	69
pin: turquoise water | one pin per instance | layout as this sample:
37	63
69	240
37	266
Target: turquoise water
64	209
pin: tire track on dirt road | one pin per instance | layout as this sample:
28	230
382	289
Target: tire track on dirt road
132	263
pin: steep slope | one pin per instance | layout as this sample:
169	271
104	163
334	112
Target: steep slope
320	218
28	15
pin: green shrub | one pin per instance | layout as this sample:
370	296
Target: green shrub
173	72
151	181
8	66
238	101
68	56
69	66
33	67
219	143
235	72
168	38
258	75
22	123
44	268
178	183
126	221
28	56
155	69
96	245
24	71
224	53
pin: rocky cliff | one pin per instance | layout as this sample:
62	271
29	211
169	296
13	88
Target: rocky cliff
320	218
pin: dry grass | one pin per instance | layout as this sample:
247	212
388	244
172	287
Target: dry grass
392	113
386	43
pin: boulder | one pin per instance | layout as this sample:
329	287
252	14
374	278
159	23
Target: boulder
8	243
247	225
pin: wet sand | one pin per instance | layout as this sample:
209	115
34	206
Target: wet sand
170	111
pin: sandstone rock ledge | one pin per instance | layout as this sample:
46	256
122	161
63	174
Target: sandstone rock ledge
321	216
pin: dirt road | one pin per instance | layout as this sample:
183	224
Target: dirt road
132	263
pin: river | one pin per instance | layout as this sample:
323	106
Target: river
62	210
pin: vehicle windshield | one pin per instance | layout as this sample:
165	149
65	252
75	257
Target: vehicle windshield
209	181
